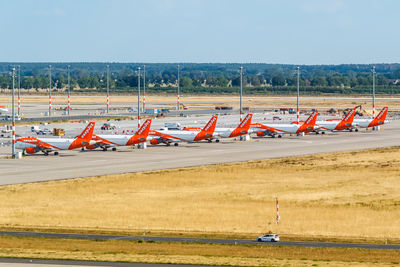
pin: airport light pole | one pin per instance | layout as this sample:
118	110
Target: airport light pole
373	92
178	104
13	115
138	98
69	89
49	90
241	92
298	94
144	88
108	88
19	90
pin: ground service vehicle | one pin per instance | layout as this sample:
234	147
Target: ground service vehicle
268	238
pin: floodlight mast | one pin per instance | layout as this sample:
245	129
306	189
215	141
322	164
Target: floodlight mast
108	89
179	102
69	89
19	90
373	92
298	94
241	92
49	90
13	115
144	88
138	98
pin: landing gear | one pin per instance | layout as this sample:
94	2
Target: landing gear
114	149
273	136
356	130
209	140
23	153
168	144
56	153
176	144
104	149
316	132
279	136
82	149
46	153
323	132
217	141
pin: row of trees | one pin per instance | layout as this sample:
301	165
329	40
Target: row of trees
96	82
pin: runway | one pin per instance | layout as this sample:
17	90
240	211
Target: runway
73	164
202	240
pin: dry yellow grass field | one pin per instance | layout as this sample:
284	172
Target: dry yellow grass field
349	195
207	101
237	255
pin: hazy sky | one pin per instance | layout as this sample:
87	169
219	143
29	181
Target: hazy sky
278	31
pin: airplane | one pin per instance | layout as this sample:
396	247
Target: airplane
374	122
174	136
107	141
32	145
3	109
345	123
279	129
242	129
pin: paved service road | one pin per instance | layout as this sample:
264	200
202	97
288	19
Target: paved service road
73	164
201	240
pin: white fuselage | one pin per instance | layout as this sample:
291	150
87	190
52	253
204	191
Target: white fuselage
326	125
54	143
284	128
178	135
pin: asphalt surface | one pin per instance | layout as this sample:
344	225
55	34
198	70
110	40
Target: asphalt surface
14	262
73	164
200	240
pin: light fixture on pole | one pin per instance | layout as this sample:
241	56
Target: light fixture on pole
241	92
298	94
138	98
144	88
178	104
19	90
49	90
373	92
69	89
108	88
13	115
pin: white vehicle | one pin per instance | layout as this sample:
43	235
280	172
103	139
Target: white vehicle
268	238
35	128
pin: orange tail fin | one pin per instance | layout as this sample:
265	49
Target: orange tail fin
88	132
380	119
349	116
210	126
145	129
309	124
243	127
208	130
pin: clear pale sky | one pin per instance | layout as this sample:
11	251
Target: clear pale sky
276	31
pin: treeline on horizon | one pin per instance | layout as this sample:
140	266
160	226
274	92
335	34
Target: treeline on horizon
207	77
